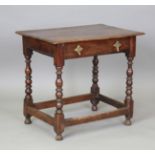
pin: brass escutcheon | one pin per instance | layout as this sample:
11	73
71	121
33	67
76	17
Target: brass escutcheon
78	50
117	45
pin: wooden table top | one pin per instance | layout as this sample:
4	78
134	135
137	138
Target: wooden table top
79	33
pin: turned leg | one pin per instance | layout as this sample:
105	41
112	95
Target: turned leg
95	87
28	101
59	116
128	99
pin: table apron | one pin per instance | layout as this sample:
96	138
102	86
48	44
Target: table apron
91	48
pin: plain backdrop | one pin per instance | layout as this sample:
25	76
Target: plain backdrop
77	76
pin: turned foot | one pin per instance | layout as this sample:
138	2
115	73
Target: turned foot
27	120
127	122
94	108
59	137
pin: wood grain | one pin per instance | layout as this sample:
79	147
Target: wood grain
66	101
79	33
40	115
60	44
86	119
111	101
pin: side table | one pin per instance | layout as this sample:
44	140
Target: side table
78	42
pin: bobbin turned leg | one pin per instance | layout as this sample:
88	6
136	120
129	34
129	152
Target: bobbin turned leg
59	116
128	99
95	87
28	101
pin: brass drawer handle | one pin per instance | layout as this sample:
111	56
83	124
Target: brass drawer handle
117	45
78	50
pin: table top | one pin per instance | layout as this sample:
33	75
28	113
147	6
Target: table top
79	33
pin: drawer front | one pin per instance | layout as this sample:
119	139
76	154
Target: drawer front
90	48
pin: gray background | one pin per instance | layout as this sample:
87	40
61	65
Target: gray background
107	134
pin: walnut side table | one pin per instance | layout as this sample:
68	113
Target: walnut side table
78	42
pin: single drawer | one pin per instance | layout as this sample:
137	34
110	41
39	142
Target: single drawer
90	48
